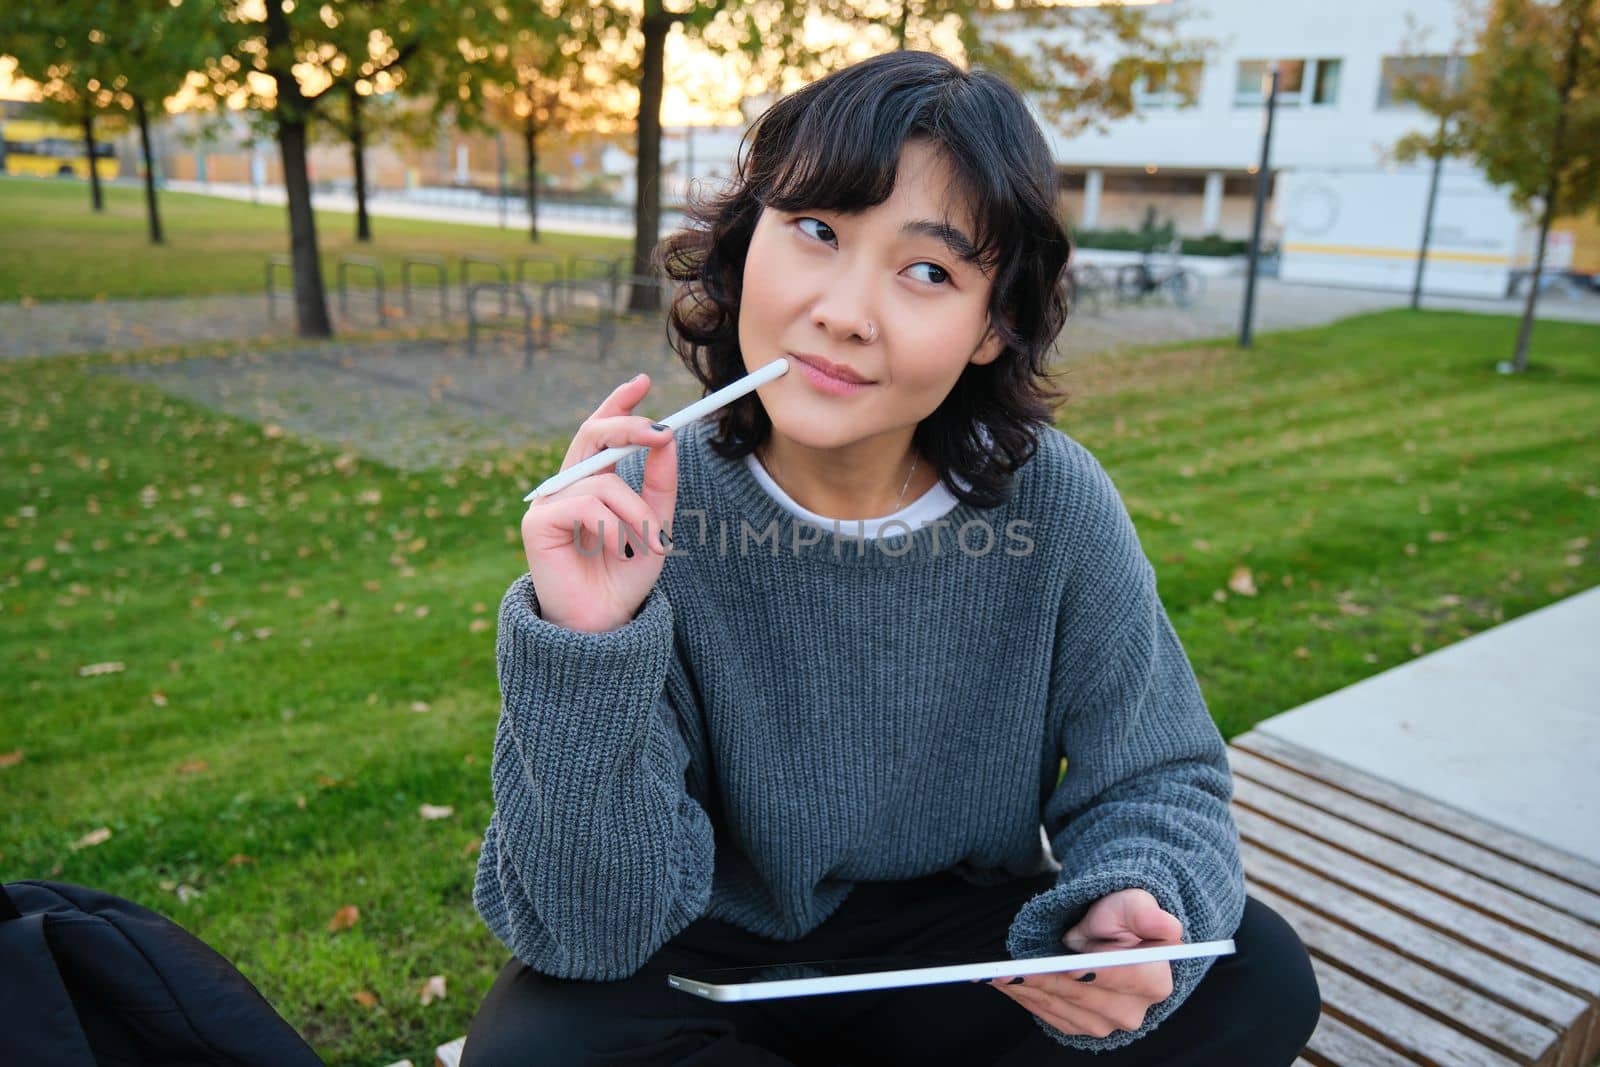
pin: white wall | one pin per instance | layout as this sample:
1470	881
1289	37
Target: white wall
1217	135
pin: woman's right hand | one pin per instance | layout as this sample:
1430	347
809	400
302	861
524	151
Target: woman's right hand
585	578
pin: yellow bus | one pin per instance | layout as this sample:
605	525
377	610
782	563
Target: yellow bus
42	149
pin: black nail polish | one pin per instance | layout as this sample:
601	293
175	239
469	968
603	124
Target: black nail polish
1086	977
1015	981
627	550
658	426
666	542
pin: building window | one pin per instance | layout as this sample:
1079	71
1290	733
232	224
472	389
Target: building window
1301	82
1396	68
1154	92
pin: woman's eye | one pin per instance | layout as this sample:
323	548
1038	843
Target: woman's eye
826	233
940	275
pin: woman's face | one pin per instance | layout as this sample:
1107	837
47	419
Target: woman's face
817	283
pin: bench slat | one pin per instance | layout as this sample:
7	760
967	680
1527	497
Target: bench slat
1556	892
1423	903
1539	919
1342	1045
1407	1029
1465	963
1473	1013
1508	843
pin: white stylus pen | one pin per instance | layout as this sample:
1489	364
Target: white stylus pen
676	421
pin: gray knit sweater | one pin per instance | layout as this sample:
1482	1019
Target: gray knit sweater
794	710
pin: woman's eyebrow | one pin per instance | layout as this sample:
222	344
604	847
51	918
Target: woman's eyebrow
959	243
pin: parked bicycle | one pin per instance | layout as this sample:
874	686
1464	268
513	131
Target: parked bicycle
1085	287
1135	281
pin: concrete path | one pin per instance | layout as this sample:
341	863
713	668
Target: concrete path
111	325
1504	725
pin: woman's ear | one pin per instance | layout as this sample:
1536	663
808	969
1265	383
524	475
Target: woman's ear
988	349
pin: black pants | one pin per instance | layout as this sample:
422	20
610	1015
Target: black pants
1257	1006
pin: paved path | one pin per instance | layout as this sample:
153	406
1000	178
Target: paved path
1504	725
424	404
113	325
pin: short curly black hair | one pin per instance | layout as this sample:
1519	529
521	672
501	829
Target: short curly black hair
835	145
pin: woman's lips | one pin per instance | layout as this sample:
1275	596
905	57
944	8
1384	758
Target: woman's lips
827	383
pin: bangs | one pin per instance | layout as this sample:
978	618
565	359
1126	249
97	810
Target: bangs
837	148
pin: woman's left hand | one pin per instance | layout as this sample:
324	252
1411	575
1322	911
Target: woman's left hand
1097	1004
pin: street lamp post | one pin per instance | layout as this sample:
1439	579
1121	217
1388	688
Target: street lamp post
1263	180
1427	217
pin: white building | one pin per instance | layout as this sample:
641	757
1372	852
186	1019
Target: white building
1342	213
1197	163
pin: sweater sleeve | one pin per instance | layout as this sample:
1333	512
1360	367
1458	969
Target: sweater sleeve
595	855
1144	801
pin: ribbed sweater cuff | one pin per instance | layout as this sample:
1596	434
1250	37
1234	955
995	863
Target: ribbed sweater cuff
1043	921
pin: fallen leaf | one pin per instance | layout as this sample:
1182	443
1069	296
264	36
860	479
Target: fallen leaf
432	989
187	893
11	759
92	669
436	811
158	698
366	998
344	918
1242	582
419	705
239	859
92	838
473	846
194	766
477	626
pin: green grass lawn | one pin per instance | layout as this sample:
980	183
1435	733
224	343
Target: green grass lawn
306	639
53	247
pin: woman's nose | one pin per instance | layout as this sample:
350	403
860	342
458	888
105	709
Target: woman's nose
845	309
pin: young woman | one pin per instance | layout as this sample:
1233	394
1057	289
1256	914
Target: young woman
814	700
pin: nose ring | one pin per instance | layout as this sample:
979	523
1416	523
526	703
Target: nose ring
872	335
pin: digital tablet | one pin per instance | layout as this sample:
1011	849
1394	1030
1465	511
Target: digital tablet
890	972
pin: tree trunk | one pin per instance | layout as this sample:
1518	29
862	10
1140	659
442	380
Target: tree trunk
289	113
310	302
358	153
647	203
900	25
1519	362
1558	161
151	209
95	195
530	151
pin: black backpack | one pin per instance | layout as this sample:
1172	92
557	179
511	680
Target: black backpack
90	980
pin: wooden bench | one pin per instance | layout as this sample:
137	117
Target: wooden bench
1437	938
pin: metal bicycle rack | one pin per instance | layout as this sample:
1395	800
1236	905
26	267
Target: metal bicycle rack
604	322
467	262
273	263
436	263
475	323
361	263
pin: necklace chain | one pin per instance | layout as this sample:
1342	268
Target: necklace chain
904	486
907	484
